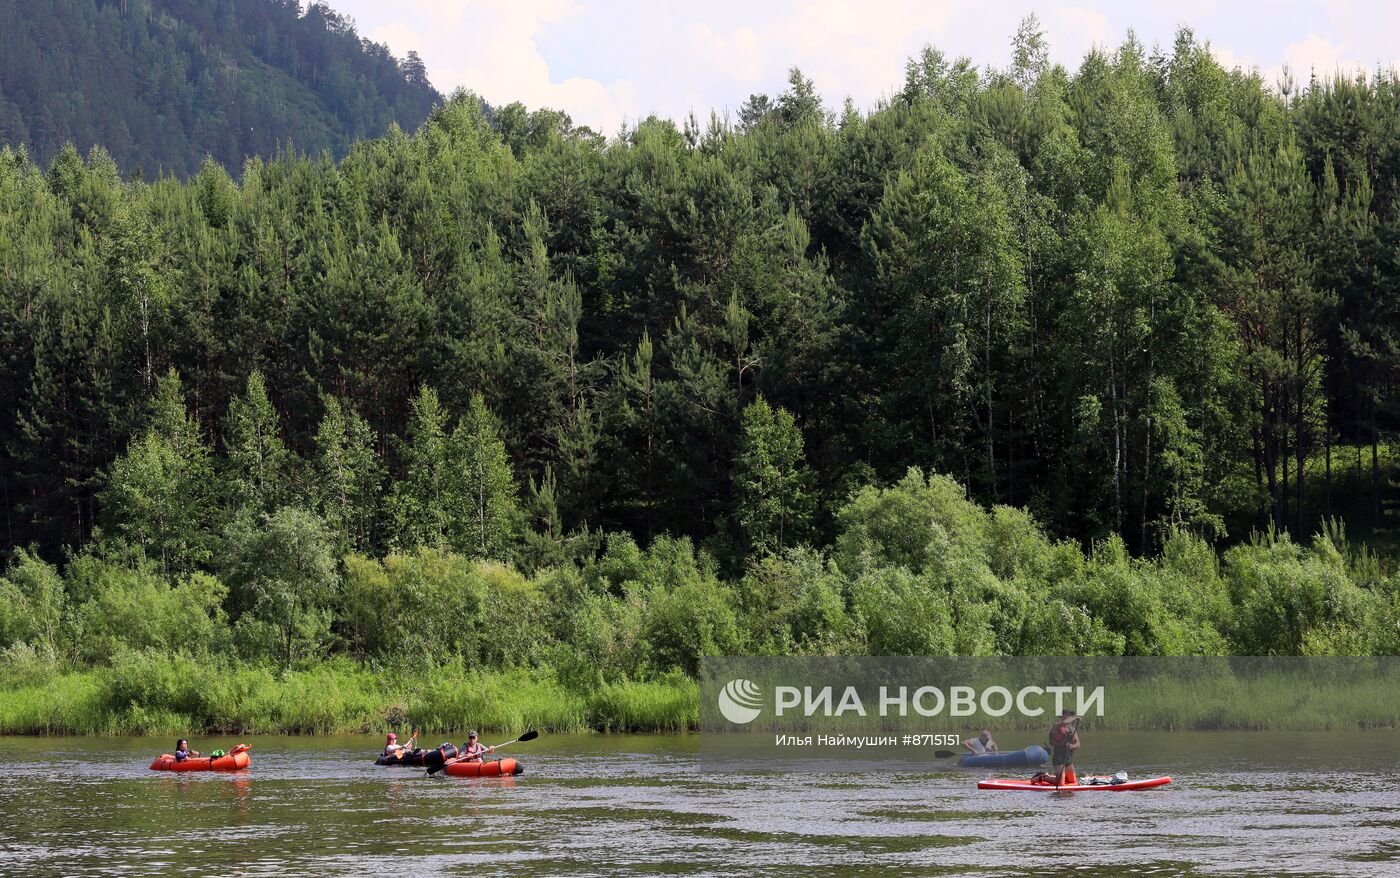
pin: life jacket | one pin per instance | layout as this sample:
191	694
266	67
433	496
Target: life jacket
1061	734
473	752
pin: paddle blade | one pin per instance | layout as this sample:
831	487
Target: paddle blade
529	736
943	754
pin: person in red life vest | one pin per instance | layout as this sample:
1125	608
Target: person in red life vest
1064	740
473	751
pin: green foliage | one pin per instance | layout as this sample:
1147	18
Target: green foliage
484	506
282	575
909	524
771	481
348	477
165	83
161	495
126	608
692	621
32	601
422	502
505	396
794	604
258	461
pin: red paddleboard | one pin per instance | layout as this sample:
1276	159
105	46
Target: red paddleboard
1041	786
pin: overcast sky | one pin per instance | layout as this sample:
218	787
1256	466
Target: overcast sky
606	62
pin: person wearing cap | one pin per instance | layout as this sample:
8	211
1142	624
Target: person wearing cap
1064	740
983	743
473	751
392	747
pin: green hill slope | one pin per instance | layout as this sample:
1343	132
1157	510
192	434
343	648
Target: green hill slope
163	83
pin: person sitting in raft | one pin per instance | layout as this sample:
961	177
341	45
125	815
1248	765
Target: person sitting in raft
392	748
981	744
473	751
183	751
1064	740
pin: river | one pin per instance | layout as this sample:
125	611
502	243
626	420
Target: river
1242	804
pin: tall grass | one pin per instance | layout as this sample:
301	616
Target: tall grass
149	694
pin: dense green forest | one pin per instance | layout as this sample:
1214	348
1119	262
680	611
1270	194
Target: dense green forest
1019	361
160	84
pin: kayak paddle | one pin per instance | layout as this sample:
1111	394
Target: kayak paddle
528	736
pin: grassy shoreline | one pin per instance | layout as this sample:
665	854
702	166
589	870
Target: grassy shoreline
147	694
180	699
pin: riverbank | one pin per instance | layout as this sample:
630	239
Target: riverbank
175	696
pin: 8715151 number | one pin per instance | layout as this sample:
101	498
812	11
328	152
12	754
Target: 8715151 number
932	740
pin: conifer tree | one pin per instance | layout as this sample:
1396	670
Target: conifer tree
773	488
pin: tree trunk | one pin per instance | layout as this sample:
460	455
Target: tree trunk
1270	444
991	437
1300	455
1259	469
1300	430
1117	445
1375	467
1283	462
1327	477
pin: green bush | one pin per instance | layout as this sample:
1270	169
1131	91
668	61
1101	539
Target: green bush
695	620
138	609
907	524
32	601
794	604
902	613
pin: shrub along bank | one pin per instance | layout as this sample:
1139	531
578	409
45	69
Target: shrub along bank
148	693
285	636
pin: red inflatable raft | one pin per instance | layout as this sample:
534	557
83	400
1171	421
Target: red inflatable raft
1104	783
233	760
484	769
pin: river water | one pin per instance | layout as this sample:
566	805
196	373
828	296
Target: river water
1242	804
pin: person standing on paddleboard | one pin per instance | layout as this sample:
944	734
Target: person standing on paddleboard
1064	740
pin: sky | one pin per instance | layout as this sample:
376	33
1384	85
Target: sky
615	62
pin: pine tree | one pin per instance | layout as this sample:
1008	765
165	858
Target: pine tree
422	503
484	496
773	488
259	464
349	476
160	495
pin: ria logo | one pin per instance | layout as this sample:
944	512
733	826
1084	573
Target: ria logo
740	701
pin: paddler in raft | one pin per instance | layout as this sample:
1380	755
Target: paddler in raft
473	751
1064	740
981	744
183	751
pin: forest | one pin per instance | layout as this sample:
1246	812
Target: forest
1020	361
160	84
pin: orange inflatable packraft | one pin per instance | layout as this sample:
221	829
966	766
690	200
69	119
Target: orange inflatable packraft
484	769
233	760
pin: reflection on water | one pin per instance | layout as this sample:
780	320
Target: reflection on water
1264	804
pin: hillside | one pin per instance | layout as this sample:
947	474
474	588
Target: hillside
163	83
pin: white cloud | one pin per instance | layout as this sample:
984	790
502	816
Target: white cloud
491	48
734	53
1073	30
399	37
604	61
